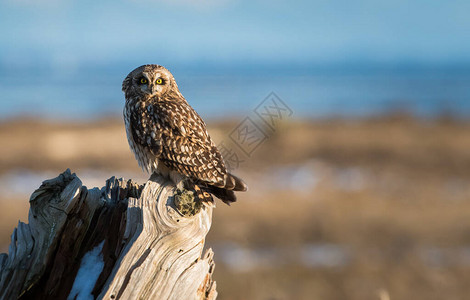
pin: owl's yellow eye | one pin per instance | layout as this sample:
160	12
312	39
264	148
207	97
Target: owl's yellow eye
159	81
143	80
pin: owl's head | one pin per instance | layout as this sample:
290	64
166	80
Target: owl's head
149	81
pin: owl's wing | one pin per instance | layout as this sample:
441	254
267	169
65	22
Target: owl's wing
177	135
195	160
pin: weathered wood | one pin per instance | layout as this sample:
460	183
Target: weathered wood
123	241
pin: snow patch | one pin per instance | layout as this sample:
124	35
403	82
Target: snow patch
90	269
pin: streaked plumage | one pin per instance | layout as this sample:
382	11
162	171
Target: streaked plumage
168	137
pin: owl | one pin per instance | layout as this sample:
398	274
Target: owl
168	137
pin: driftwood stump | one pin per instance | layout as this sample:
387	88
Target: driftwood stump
123	241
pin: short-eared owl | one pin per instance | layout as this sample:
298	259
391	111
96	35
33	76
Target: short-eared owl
168	137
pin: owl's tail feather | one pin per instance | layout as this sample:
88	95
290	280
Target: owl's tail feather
234	183
227	196
225	190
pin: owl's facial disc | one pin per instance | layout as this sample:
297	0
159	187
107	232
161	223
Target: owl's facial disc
152	84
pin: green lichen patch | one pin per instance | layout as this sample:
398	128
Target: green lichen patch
187	203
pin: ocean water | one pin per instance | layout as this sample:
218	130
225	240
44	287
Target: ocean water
93	93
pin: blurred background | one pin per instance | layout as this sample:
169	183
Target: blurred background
359	192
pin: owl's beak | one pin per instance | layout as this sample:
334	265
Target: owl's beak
153	89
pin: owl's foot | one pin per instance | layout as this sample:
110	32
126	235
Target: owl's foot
184	184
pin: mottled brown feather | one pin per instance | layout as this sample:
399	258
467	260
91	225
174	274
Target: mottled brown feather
163	128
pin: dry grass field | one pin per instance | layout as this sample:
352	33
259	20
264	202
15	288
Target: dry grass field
374	208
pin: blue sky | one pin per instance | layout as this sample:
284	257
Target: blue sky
68	58
71	33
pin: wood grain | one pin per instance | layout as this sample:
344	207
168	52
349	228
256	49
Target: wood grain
149	249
